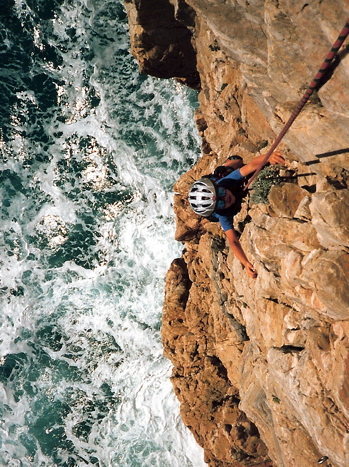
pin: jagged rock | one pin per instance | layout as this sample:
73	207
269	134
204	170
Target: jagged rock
261	366
330	214
161	39
284	200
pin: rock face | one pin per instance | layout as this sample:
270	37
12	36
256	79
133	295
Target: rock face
161	39
261	366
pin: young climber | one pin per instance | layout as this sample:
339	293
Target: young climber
219	197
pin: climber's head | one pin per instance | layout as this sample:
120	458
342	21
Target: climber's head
202	197
205	198
229	197
225	198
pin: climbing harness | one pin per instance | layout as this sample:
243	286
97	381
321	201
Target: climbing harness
315	83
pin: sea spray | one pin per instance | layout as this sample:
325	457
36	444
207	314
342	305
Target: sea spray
89	152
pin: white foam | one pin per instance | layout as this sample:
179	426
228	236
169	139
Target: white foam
108	315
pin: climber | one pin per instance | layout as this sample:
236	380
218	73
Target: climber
218	197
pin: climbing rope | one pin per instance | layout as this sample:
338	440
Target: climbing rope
316	83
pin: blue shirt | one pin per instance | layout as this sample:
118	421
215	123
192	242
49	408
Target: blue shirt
227	220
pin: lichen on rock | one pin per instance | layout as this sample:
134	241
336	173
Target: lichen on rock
260	367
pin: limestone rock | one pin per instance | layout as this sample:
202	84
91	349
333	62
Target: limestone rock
284	200
330	213
161	39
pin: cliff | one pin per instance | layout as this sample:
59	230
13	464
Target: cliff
260	366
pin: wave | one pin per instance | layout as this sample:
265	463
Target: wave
90	150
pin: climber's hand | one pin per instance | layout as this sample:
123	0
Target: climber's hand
277	158
250	271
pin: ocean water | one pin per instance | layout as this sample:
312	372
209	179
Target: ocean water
89	153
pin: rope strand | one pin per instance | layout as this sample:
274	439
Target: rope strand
311	88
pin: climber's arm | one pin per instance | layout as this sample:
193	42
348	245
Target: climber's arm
239	253
275	158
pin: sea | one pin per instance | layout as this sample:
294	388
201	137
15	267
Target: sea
89	152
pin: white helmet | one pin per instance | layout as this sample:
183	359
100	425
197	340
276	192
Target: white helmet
202	197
